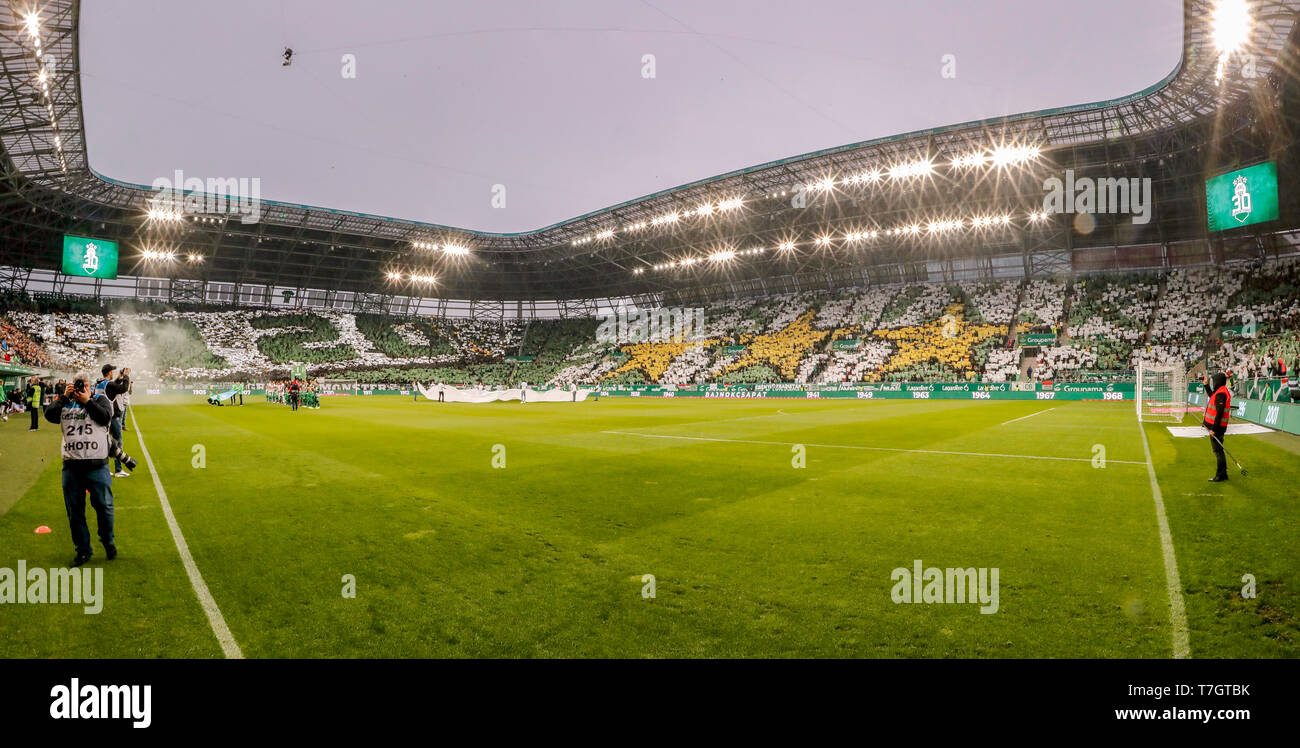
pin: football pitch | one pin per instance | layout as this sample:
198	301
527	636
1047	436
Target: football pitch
380	527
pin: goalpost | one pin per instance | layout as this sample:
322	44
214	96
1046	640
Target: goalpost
1161	393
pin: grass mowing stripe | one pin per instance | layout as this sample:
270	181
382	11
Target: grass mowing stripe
1021	418
219	628
874	449
1177	607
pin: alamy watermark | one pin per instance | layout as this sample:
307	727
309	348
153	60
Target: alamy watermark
37	586
935	585
77	701
661	325
180	196
1092	196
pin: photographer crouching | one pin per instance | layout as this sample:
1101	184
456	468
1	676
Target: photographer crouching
84	416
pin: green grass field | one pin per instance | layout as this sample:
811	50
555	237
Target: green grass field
752	556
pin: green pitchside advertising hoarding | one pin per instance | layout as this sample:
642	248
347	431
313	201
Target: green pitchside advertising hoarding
1033	339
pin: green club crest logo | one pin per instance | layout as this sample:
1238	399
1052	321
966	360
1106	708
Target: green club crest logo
1241	207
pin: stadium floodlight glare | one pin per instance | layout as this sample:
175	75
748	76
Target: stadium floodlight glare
826	185
823	241
456	249
731	204
164	214
722	256
1231	25
970	160
1009	155
32	22
922	168
393	275
195	258
786	246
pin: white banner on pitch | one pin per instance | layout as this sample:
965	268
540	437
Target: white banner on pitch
470	395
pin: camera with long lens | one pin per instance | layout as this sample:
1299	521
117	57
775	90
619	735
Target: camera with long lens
115	452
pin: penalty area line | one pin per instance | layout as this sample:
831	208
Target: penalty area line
869	449
218	623
1177	607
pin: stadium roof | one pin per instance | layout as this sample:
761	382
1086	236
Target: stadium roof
547	103
836	214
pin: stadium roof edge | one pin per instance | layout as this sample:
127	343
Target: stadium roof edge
912	135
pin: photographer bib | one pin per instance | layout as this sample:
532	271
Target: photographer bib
83	439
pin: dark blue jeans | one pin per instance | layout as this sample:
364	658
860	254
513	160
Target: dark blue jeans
115	428
98	482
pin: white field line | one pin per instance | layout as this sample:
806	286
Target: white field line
1177	608
869	449
215	619
1021	418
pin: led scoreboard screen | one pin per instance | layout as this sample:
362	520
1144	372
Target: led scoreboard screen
91	258
1243	197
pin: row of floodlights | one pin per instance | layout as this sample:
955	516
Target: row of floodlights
161	256
45	72
853	237
451	249
394	275
999	157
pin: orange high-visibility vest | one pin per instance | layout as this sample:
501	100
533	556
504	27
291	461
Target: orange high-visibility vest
1213	418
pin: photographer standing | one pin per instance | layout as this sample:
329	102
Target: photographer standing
115	387
1217	409
83	418
126	396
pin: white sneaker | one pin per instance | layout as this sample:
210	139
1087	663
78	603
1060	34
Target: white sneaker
121	474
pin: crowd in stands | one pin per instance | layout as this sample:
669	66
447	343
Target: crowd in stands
1042	304
17	347
1099	326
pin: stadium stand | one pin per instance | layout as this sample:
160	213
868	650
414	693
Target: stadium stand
1106	324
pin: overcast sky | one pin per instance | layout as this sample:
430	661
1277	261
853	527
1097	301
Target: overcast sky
555	101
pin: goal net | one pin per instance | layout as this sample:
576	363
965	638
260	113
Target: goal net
1161	393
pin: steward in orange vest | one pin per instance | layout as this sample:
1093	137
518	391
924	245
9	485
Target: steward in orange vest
1217	411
